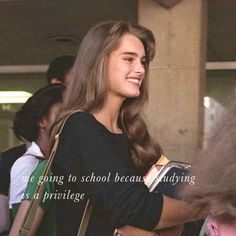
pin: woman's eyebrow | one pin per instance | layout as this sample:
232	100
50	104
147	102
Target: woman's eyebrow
133	54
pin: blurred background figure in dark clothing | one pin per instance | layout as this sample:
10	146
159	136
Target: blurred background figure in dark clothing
59	71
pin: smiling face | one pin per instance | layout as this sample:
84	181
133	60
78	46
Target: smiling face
126	68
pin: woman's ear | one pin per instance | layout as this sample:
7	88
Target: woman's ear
213	227
42	123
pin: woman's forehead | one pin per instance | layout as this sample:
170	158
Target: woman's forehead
129	43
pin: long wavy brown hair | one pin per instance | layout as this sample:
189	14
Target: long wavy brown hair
87	90
215	171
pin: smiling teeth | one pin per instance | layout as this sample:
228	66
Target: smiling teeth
135	81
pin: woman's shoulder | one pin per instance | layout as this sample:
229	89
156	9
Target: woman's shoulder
23	162
79	119
79	115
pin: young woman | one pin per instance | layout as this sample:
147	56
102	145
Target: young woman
32	123
215	174
106	147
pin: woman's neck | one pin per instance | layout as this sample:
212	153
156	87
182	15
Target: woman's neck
109	115
43	143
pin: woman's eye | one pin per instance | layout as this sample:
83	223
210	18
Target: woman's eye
143	62
129	59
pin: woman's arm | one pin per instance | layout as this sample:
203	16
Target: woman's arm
18	221
175	212
4	216
172	231
129	230
127	202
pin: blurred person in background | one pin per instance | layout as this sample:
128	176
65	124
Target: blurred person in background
59	71
215	173
32	123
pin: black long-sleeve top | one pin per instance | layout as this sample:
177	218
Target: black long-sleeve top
86	148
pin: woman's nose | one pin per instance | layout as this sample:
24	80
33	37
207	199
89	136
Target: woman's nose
139	68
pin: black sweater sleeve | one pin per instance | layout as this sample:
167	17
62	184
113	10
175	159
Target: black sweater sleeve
87	149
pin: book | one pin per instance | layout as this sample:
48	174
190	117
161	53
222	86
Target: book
168	177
